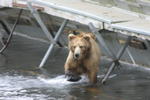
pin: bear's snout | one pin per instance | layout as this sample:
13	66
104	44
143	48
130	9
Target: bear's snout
77	53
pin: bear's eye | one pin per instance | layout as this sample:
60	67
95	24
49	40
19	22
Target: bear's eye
81	47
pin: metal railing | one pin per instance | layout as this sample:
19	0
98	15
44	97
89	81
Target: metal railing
112	24
70	10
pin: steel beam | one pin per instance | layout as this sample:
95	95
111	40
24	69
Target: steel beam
11	32
6	30
40	22
116	61
131	57
5	27
70	10
101	40
52	45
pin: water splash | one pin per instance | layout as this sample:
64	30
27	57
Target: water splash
60	81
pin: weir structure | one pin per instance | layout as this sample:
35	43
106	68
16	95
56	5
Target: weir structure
96	17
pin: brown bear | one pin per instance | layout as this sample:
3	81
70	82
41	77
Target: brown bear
84	56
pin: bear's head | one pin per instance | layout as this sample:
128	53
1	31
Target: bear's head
79	45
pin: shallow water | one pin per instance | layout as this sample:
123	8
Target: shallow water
20	78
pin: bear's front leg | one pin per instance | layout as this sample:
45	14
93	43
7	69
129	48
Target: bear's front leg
71	74
92	77
72	77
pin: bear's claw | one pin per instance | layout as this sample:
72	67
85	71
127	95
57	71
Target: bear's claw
71	77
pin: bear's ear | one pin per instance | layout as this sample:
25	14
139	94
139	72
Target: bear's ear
92	36
86	37
71	36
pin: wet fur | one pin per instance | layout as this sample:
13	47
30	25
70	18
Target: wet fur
89	62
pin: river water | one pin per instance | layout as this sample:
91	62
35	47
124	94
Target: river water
21	79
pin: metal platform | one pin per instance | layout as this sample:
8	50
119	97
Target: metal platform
85	13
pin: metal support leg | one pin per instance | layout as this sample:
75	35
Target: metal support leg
116	61
39	20
2	40
52	45
11	32
117	58
101	40
131	57
5	27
